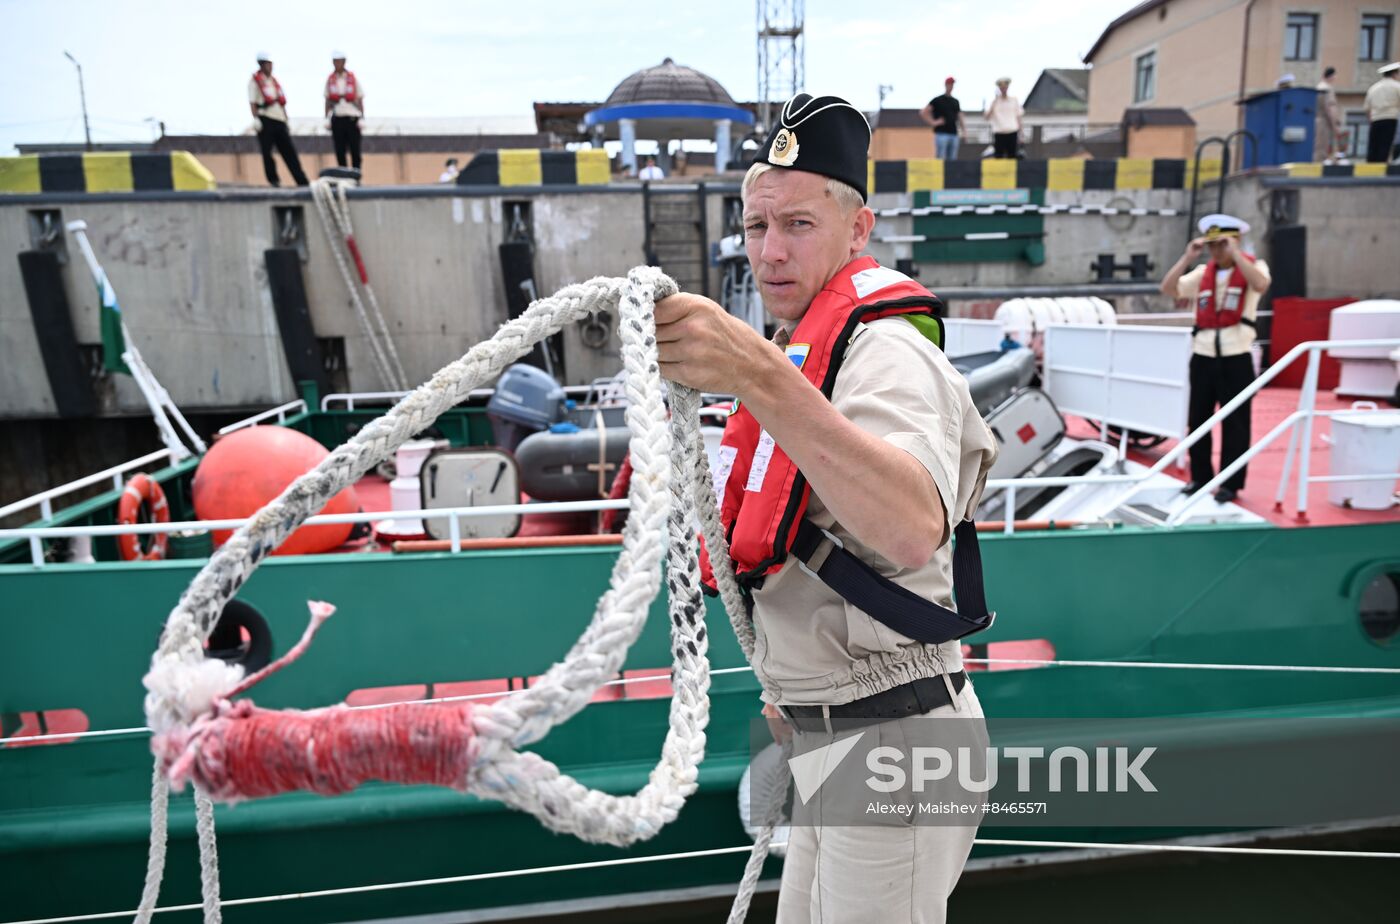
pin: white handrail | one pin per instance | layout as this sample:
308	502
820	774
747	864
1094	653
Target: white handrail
1011	484
44	499
280	412
454	515
1288	423
348	398
1311	347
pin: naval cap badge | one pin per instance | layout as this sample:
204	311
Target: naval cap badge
784	149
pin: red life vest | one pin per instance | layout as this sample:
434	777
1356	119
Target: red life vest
762	495
269	87
1208	316
352	93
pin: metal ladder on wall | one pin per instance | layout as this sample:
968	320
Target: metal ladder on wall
678	234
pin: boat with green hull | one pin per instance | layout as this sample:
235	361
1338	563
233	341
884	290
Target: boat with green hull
75	758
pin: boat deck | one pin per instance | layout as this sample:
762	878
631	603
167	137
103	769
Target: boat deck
1269	407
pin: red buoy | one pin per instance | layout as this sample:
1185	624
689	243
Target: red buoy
249	467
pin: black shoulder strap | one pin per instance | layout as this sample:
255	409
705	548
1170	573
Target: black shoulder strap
822	555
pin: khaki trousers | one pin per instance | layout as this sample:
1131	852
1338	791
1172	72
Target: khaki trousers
876	874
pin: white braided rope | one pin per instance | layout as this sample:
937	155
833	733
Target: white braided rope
328	194
182	682
155	851
208	857
763	841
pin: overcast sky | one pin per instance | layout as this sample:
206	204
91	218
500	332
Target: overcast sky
187	63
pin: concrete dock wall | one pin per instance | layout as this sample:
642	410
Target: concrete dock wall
189	271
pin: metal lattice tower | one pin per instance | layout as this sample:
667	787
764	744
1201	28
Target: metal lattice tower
781	71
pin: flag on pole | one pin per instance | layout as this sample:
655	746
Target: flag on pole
113	337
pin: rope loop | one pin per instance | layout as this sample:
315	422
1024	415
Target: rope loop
671	487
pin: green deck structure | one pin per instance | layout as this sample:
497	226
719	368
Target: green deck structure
74	816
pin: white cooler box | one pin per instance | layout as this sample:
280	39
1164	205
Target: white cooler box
1027	426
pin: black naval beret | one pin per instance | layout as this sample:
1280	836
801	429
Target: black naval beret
825	135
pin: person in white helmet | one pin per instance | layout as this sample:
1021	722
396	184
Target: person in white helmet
269	106
345	107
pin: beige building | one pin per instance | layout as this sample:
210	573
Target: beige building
1204	56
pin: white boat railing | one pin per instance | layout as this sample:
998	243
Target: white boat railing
454	515
281	412
1307	410
44	499
1299	444
350	398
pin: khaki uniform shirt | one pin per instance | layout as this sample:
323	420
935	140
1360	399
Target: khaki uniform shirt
1383	100
343	107
1235	339
275	111
814	648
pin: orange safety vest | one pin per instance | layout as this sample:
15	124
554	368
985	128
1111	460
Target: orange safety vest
271	90
1209	316
762	495
352	93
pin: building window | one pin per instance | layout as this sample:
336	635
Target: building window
1300	37
1375	37
1145	77
1358	134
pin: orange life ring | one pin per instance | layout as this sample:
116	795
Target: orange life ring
142	490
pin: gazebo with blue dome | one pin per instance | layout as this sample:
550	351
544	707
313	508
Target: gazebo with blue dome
669	101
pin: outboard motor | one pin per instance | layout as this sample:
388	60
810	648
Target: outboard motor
526	401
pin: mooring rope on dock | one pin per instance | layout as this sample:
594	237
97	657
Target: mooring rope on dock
328	194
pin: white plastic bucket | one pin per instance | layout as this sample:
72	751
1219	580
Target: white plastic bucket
1365	441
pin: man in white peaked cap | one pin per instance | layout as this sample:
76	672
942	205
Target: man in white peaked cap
1225	293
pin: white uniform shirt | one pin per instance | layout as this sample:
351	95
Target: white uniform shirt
344	107
275	111
1005	114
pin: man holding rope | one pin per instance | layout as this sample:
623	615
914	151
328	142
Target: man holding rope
856	449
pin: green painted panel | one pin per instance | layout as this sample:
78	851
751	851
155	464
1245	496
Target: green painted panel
946	232
73	818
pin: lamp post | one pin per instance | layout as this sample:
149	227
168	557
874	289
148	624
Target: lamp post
82	95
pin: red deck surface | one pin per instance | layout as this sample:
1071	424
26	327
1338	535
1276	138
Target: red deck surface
1269	407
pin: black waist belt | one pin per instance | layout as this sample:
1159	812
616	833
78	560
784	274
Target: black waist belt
913	698
822	555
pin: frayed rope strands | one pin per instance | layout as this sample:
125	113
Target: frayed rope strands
185	689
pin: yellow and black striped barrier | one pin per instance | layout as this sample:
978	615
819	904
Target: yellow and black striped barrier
1332	171
1068	174
104	172
535	167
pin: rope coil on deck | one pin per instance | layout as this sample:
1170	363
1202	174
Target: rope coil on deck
189	694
